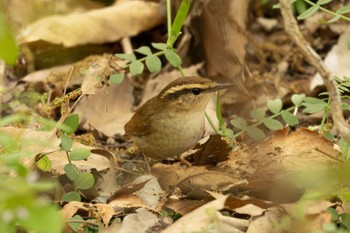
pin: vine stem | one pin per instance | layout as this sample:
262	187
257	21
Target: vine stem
328	11
292	29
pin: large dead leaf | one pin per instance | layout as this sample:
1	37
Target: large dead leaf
108	110
96	26
208	217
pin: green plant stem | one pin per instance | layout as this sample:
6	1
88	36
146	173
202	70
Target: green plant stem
325	114
144	58
211	123
261	122
327	11
70	161
181	71
168	13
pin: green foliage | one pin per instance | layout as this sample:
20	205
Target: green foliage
178	22
305	12
8	48
152	61
80	180
259	117
116	78
22	202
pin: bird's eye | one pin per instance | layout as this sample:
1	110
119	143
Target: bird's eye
196	91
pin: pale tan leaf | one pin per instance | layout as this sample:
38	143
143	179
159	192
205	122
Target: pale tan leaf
96	26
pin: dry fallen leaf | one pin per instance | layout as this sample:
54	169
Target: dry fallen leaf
96	26
108	110
207	217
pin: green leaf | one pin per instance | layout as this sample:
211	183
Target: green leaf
333	213
345	220
79	154
343	89
313	108
172	58
313	100
42	218
71	123
329	136
255	133
239	123
136	67
258	114
8	48
66	142
85	181
160	46
309	12
178	22
123	56
345	106
297	99
323	2
334	19
153	63
44	163
71	196
300	6
72	171
275	106
116	78
343	10
75	223
289	118
145	50
272	124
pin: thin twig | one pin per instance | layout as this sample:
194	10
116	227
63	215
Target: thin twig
291	27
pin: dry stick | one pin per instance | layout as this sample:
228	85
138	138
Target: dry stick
291	27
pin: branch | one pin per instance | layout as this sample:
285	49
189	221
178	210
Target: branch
291	27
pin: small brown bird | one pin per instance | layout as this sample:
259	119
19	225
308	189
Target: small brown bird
173	121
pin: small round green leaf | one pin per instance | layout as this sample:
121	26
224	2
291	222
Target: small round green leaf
123	56
257	114
136	67
44	163
313	108
72	171
66	143
160	46
239	123
172	57
116	78
255	133
275	106
79	154
71	196
71	124
76	223
272	124
144	50
289	118
153	63
85	181
297	99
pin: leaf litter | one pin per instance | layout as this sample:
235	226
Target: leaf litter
244	190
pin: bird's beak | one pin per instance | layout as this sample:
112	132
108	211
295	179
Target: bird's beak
219	86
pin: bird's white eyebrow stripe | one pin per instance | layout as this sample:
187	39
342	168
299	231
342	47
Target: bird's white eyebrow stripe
174	89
